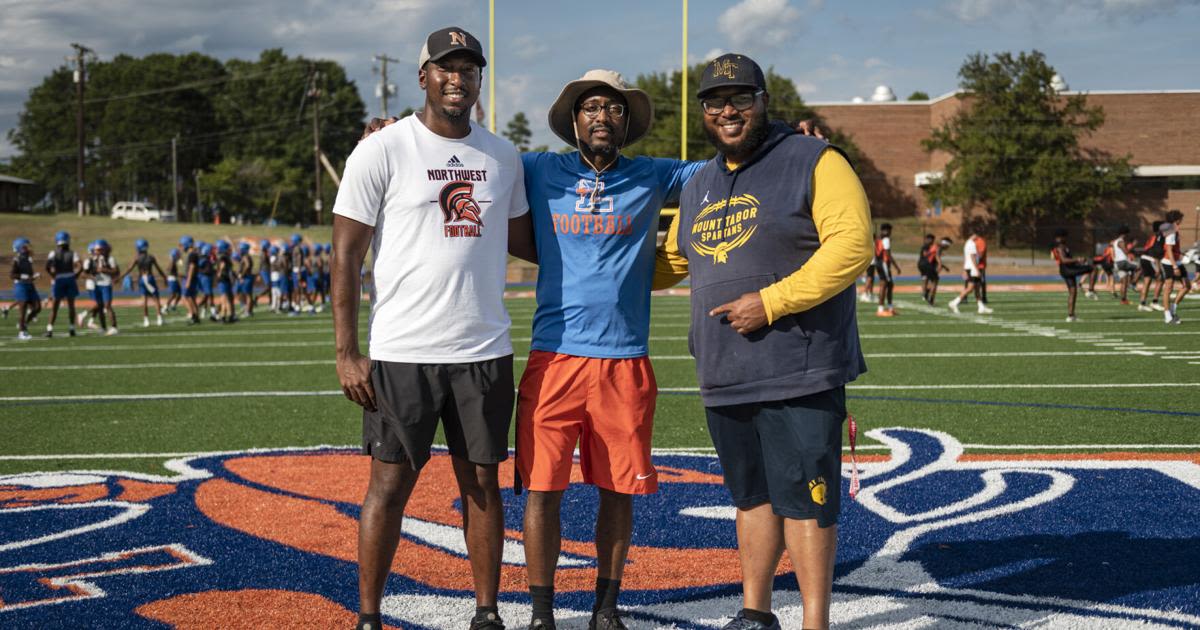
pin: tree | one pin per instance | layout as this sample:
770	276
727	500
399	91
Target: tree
663	138
517	131
918	96
1014	148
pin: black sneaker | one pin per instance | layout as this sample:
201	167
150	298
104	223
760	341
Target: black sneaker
741	623
48	334
487	621
542	624
71	333
606	619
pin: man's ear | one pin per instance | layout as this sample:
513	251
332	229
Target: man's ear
421	78
766	98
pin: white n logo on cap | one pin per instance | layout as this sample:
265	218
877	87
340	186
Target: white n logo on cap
457	39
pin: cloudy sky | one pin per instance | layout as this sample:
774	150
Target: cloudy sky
833	51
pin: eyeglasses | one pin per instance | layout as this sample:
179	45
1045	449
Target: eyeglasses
741	101
592	110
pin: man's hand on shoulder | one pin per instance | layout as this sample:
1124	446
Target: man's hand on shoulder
807	128
354	371
375	124
745	314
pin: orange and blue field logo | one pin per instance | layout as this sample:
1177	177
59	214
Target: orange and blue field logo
935	538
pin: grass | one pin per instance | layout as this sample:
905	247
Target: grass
1000	364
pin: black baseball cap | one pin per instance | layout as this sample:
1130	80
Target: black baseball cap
450	40
731	69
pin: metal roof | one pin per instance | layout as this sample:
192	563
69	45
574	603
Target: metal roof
9	179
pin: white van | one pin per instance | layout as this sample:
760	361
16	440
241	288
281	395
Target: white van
141	211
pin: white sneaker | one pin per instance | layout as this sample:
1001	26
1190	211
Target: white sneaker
93	326
110	332
79	319
1158	307
1168	316
1176	320
864	298
23	336
1072	319
1091	295
160	320
145	322
953	304
1142	308
321	308
985	310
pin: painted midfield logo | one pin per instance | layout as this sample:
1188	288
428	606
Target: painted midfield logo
936	538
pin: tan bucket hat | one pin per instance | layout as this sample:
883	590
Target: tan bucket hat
562	112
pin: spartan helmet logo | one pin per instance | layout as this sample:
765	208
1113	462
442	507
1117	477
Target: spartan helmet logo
458	204
457	39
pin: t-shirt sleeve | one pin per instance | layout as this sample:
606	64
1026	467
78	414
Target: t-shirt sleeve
519	204
672	175
887	243
364	182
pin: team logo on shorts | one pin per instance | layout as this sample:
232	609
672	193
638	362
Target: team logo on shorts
816	488
460	211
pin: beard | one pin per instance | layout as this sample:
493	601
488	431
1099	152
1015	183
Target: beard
454	113
604	147
756	133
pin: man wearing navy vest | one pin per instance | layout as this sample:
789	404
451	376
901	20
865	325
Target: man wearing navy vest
773	231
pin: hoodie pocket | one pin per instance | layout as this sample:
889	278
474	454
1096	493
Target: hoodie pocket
724	357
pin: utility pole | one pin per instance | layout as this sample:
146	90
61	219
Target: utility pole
80	78
385	89
174	177
315	95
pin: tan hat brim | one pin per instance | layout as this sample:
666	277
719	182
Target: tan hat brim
562	112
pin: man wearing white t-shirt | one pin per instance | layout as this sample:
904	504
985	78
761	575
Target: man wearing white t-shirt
438	198
973	269
1172	266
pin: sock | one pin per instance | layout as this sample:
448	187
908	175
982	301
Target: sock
49	327
543	602
606	594
369	621
765	618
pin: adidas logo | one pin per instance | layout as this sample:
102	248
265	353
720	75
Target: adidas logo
454	162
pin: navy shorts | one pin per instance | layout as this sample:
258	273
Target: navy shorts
787	453
103	294
25	292
149	286
191	289
64	288
205	284
173	285
224	288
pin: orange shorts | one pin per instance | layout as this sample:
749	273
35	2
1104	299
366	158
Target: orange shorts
606	405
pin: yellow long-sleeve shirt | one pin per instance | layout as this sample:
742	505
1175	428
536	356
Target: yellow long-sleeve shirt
843	220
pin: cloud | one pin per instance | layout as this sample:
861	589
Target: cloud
528	47
761	23
873	62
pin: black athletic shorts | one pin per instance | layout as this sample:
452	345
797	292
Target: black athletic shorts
1148	269
1178	272
473	400
787	453
883	270
928	270
1070	273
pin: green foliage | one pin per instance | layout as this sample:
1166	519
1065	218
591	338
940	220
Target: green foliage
252	185
664	90
918	96
1015	148
517	131
229	114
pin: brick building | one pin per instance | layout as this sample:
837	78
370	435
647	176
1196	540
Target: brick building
1160	131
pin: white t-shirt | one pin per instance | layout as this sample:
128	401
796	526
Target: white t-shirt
1118	247
1172	240
440	208
104	279
969	253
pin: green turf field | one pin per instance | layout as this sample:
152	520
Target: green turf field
1115	380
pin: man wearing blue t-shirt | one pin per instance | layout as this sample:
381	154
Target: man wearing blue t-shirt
589	379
